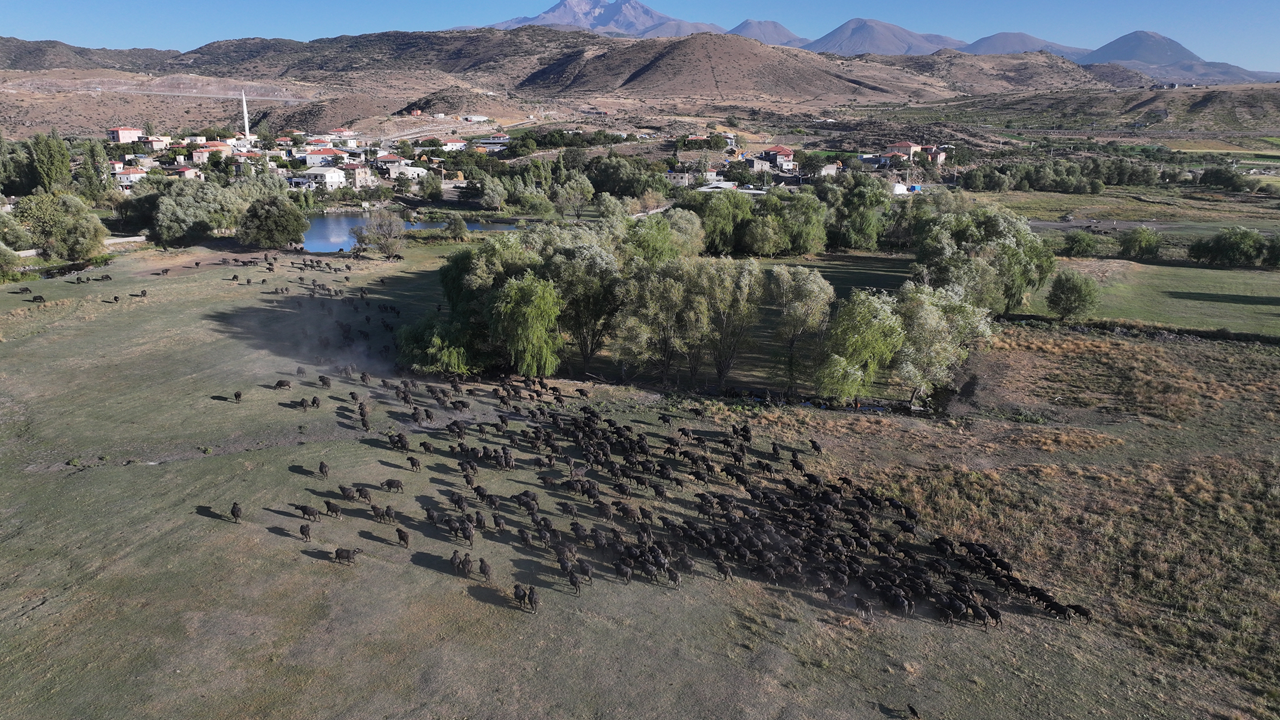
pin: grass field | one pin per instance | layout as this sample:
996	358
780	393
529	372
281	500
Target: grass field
1245	301
1147	493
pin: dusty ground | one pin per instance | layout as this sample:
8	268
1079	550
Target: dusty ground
128	593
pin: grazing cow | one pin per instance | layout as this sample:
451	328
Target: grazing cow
238	396
305	532
415	464
24	291
236	512
1083	612
325	382
403	537
37	298
346	557
391	484
283	385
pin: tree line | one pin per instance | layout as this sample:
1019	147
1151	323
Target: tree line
533	301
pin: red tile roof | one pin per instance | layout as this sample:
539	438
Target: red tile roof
780	150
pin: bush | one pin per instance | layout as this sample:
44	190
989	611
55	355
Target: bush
1079	243
1230	246
1140	242
1073	295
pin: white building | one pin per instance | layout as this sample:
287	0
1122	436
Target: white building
330	178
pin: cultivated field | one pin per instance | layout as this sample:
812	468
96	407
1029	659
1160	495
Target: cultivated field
1133	476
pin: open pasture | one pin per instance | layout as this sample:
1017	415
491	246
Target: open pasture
130	591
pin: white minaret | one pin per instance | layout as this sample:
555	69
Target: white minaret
244	106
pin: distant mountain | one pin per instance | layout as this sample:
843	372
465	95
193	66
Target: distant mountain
1006	43
944	41
628	17
18	54
680	28
1144	47
769	33
859	36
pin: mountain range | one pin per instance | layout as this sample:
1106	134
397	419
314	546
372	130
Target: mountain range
1146	52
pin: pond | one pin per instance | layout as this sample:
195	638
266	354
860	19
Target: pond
330	233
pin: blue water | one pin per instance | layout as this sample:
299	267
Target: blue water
330	233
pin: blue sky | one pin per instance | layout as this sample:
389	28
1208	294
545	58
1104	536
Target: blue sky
1242	32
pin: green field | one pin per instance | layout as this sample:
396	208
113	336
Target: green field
128	593
1246	301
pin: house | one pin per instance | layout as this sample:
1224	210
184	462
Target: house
128	176
474	118
778	154
358	176
203	155
115	165
758	165
906	148
186	172
156	143
342	132
325	156
830	170
319	143
330	178
193	140
453	145
495	143
124	134
391	159
410	171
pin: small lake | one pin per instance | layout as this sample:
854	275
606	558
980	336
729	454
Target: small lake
330	233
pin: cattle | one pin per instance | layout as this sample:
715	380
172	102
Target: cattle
333	509
391	484
238	395
403	537
486	570
301	371
324	470
520	595
115	299
533	600
415	464
236	512
305	532
1083	612
143	293
308	512
325	382
24	291
346	557
283	385
37	299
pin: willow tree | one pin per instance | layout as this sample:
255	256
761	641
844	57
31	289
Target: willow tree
734	291
804	298
524	325
862	339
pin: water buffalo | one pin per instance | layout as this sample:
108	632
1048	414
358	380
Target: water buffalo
283	385
238	395
391	484
305	532
344	556
236	512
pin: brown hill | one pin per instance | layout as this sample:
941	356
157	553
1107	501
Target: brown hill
988	74
714	68
18	54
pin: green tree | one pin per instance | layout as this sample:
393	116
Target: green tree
990	254
939	327
1140	242
734	291
1073	295
686	232
1078	243
61	225
573	195
383	230
589	281
652	238
609	207
666	315
9	260
92	175
804	219
13	235
272	222
455	227
864	336
724	218
403	184
431	188
804	298
1237	246
149	128
764	237
49	161
525	325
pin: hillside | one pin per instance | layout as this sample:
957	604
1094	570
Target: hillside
18	54
860	36
716	68
1006	43
679	28
987	74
